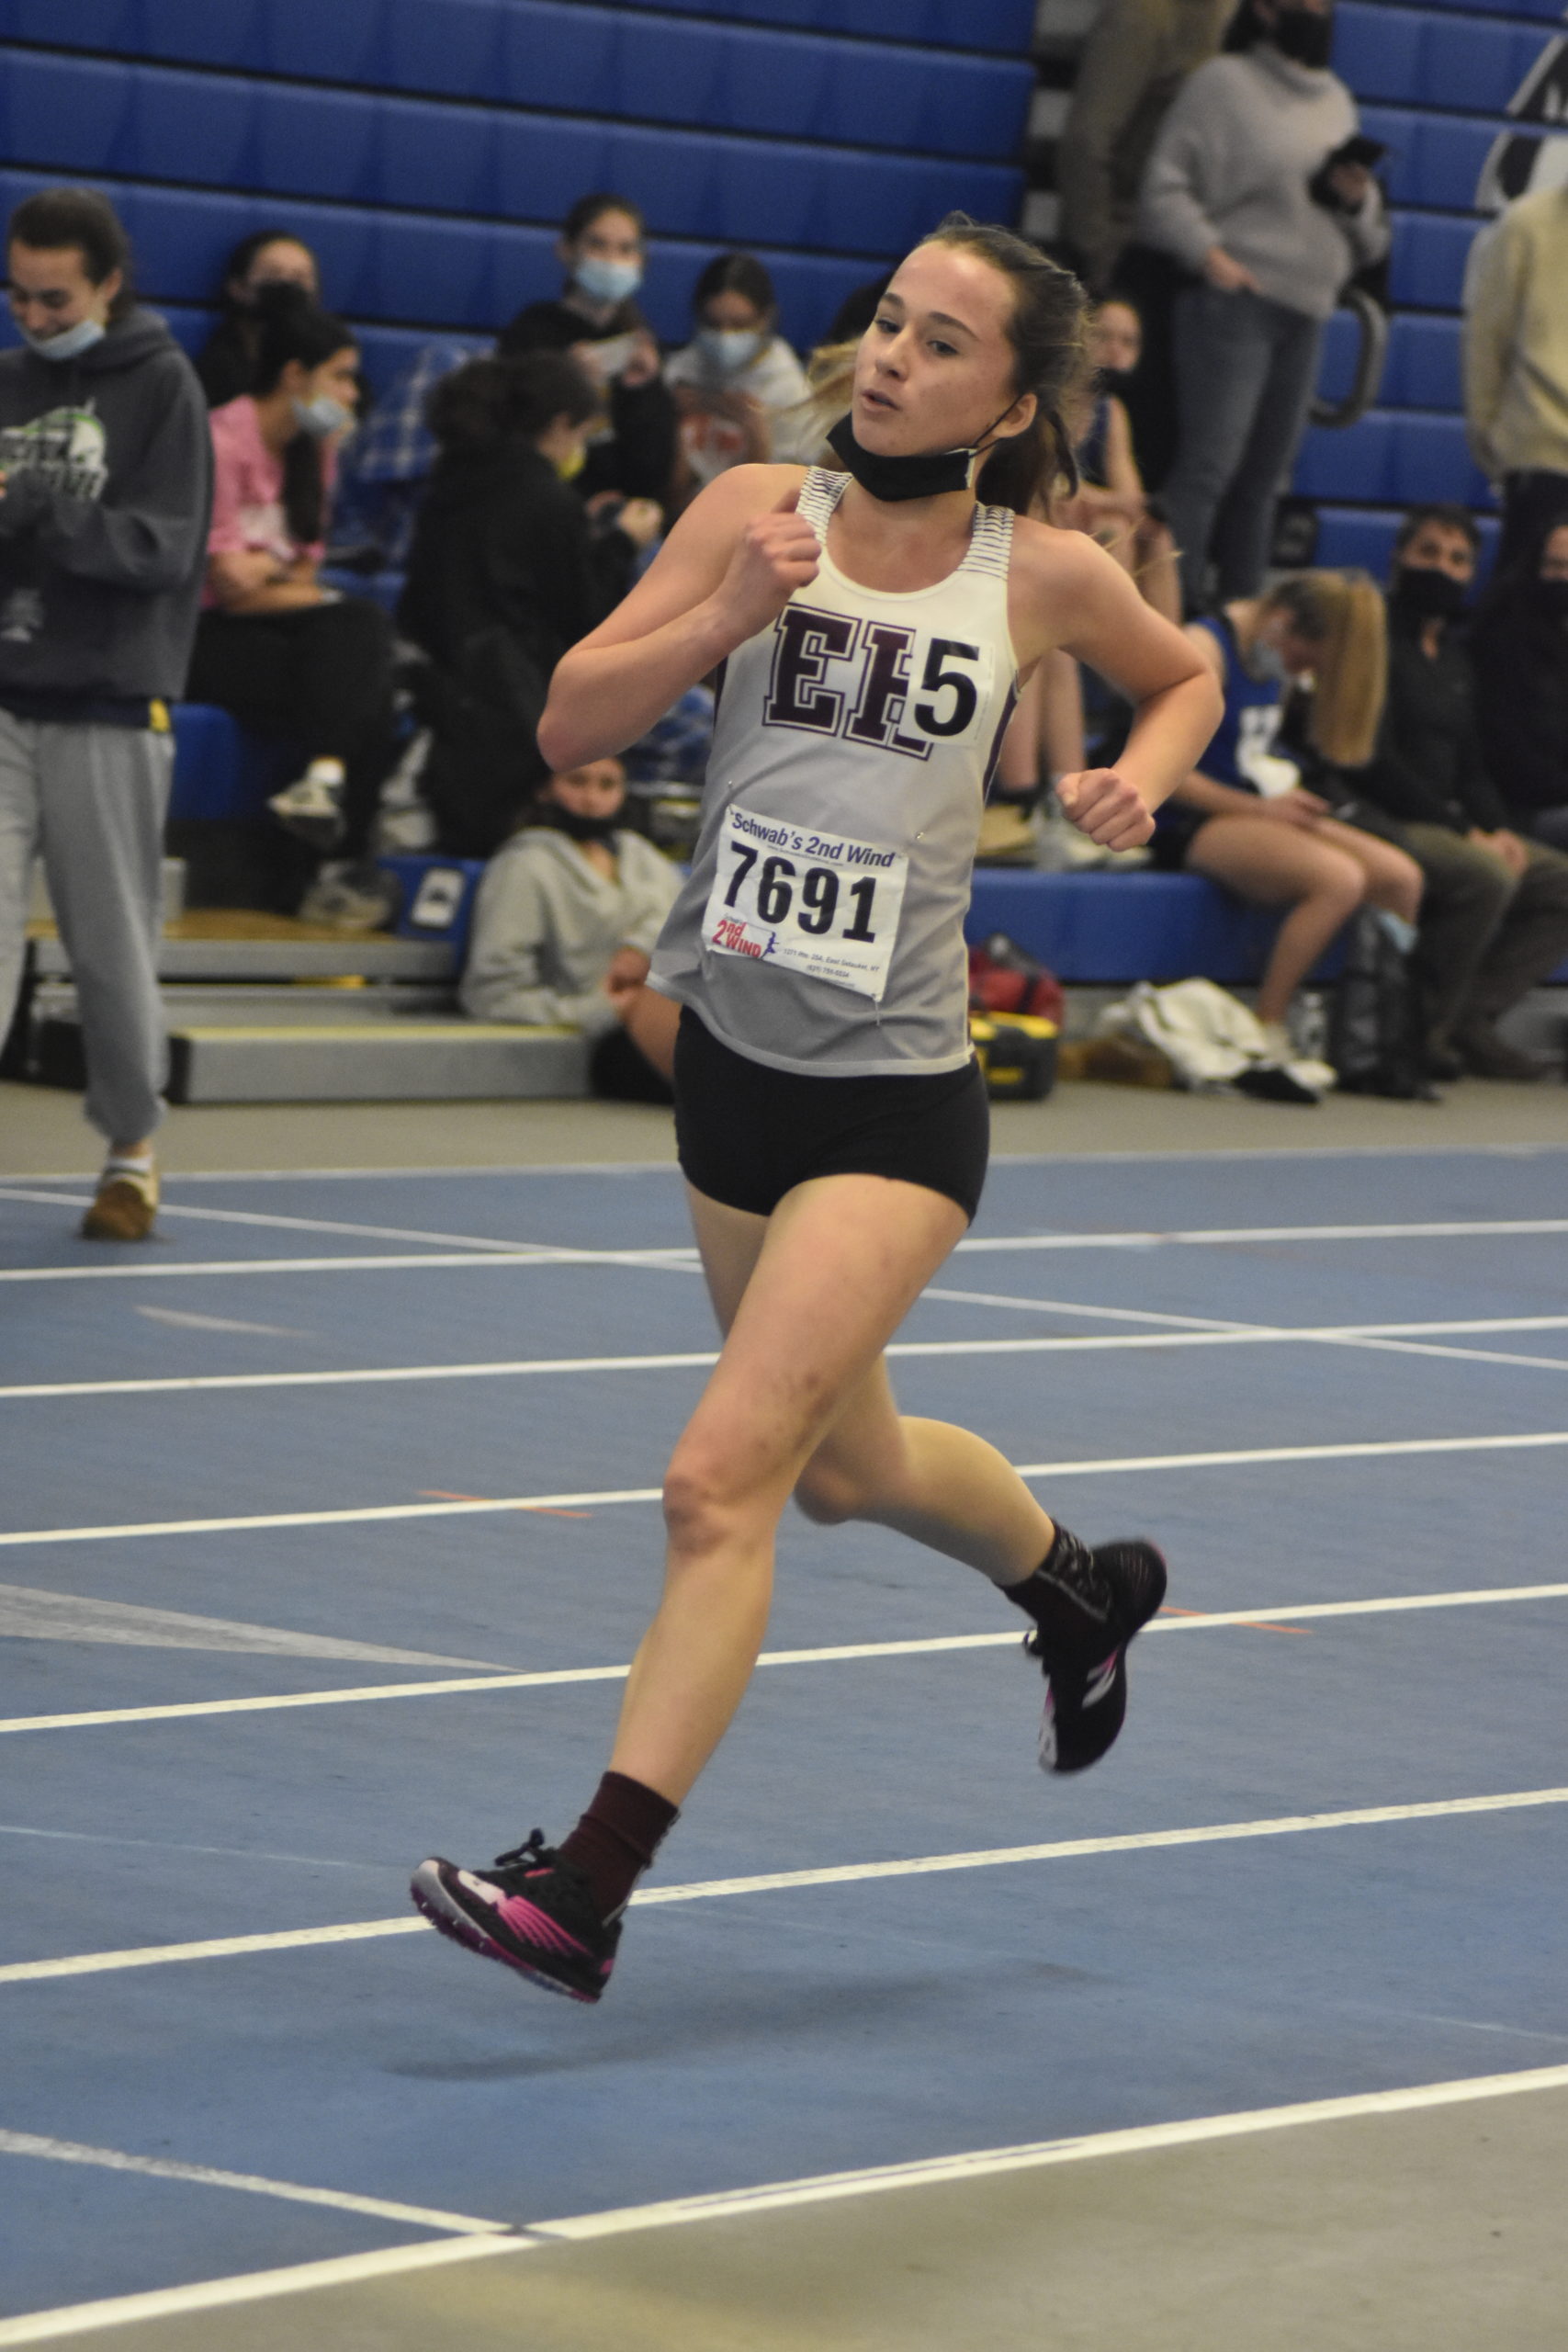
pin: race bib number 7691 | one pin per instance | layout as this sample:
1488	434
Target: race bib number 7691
816	903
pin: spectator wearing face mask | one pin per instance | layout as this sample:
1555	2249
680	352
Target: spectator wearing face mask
1521	660
1109	502
739	390
604	250
105	476
564	929
1248	189
1243	818
227	363
506	572
1495	909
289	656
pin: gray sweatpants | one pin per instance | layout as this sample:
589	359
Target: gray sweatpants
92	801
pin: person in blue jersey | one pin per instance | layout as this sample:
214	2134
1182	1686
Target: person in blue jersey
872	624
1244	818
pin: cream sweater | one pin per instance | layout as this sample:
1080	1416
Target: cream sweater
1516	338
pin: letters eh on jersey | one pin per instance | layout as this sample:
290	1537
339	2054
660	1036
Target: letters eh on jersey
879	682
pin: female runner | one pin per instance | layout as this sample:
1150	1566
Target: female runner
874	626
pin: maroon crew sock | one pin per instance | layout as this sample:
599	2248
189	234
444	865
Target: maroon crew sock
617	1837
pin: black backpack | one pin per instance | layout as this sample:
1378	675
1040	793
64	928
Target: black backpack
1375	1034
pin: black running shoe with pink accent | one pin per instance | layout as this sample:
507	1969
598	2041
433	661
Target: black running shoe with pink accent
1116	1588
530	1910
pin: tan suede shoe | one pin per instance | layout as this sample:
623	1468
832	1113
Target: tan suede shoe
124	1207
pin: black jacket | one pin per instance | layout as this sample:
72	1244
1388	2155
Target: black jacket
1430	768
505	543
505	574
1521	675
108	462
639	458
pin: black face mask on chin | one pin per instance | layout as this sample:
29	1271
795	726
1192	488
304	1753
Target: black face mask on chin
1429	595
930	475
575	827
1304	37
1551	598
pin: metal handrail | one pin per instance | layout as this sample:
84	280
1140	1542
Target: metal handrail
1371	356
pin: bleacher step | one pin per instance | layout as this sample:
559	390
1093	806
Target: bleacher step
393	1060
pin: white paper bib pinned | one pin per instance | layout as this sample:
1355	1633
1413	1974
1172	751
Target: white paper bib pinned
816	903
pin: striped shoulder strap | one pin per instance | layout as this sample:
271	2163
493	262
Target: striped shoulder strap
820	494
990	542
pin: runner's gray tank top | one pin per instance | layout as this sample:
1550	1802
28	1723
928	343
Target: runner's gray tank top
822	927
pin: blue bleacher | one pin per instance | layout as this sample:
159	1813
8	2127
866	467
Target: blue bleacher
78	113
554	54
468	275
1003	24
221	774
1110	930
1411	57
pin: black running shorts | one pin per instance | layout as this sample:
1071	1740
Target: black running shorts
746	1134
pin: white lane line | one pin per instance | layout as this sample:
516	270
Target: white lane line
73	2152
288	1224
1204	1622
682	1260
1195	1332
98	1963
675	1259
1113	1466
183	1322
987	2164
30	1614
256	2286
1227	1235
771	2196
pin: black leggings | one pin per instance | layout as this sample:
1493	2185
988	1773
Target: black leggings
322	674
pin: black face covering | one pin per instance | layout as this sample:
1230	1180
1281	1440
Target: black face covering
1301	35
930	475
1116	381
1551	598
1429	595
577	828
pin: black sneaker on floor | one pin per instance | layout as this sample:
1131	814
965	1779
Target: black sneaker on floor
530	1910
1117	1589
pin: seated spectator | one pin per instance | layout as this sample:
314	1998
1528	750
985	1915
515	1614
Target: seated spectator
566	916
740	393
1244	817
227	363
1495	911
1248	189
603	248
1521	664
1109	503
287	656
507	570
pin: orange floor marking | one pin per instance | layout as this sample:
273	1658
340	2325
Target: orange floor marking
1247	1626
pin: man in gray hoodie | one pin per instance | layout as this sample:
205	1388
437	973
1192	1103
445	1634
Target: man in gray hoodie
106	471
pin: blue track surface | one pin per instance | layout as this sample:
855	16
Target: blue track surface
761	2036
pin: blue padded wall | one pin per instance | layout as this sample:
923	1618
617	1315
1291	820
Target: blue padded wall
1449	86
427	147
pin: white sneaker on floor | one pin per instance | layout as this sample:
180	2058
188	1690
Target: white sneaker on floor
312	808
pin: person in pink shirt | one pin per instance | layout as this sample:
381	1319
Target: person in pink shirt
287	655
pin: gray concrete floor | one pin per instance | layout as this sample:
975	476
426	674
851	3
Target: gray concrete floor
41	1129
1430	2232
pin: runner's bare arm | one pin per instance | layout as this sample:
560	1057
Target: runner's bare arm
728	567
1071	593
